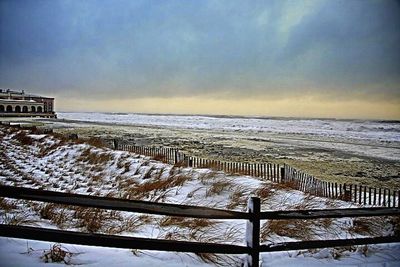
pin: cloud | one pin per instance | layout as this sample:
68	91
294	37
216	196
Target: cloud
349	44
228	49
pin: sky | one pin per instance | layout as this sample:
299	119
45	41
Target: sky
274	58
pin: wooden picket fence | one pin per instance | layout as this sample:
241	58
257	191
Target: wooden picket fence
359	194
268	171
278	173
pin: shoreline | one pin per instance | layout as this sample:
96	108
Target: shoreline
261	117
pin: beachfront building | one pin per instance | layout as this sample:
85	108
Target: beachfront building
20	104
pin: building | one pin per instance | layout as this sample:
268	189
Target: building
20	104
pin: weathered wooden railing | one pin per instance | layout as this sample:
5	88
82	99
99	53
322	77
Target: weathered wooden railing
253	217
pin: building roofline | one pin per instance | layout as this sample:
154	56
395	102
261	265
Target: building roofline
22	93
18	101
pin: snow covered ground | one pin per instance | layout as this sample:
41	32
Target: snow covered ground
14	252
343	151
53	163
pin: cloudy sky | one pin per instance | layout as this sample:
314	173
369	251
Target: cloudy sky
275	58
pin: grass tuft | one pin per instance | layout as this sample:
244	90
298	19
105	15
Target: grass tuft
95	220
58	214
238	198
155	190
217	188
299	229
265	192
366	226
96	142
7	204
23	138
20	218
219	259
94	158
181	222
56	253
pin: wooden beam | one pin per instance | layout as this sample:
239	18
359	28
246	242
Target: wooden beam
119	204
329	213
328	243
51	235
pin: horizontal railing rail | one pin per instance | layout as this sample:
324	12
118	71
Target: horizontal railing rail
329	213
91	239
313	244
137	206
179	210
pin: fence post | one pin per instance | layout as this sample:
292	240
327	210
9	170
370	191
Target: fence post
347	193
185	160
115	141
190	162
283	174
253	232
175	156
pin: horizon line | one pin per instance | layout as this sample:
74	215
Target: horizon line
238	116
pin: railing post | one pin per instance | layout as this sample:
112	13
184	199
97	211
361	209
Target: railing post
185	160
253	232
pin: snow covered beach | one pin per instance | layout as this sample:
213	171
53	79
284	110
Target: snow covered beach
351	151
74	167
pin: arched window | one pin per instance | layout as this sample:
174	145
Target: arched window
33	109
2	109
9	108
18	109
25	109
45	107
39	109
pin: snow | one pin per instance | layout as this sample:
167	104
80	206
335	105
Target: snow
367	138
55	165
14	252
37	136
382	255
